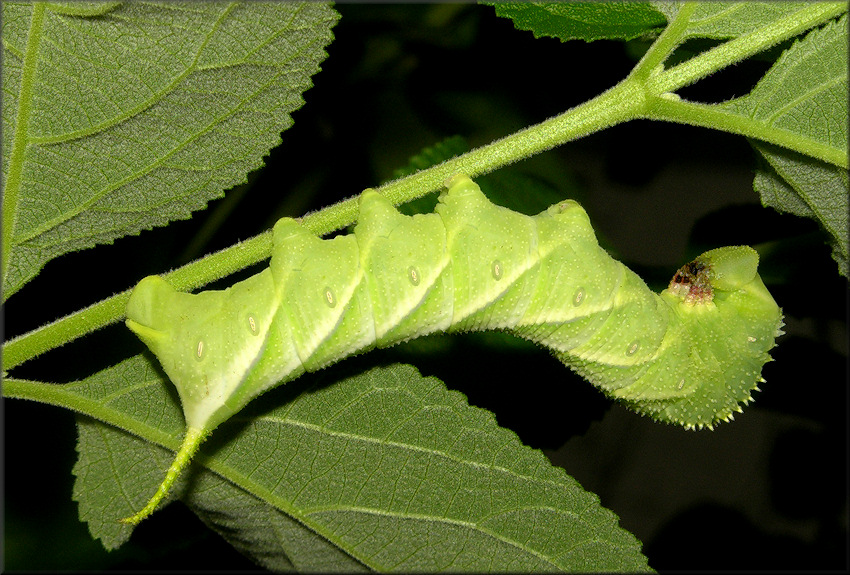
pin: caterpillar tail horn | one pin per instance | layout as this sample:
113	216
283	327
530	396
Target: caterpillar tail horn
191	442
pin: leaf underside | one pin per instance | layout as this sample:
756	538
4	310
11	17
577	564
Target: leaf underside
385	470
121	121
806	93
720	20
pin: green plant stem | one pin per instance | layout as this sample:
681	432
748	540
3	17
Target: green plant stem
65	396
644	94
220	264
621	103
744	46
660	50
712	116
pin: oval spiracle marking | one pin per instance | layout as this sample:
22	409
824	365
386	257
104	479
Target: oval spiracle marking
199	352
633	347
330	298
579	296
413	275
681	383
751	339
252	324
497	270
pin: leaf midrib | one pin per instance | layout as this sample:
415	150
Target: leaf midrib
302	515
12	186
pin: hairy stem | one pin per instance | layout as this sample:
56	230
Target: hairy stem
653	60
65	396
744	46
621	103
710	116
641	95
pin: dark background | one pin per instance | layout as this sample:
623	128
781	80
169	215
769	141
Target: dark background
765	492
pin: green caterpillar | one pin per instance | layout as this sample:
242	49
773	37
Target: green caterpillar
689	355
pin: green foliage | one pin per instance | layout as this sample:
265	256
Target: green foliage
119	118
805	93
372	457
117	124
728	19
587	21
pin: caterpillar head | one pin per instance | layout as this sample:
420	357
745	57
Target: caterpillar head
205	342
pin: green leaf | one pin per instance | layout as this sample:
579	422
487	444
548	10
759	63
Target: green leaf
103	450
138	116
587	21
82	8
386	469
790	182
728	19
263	533
806	93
